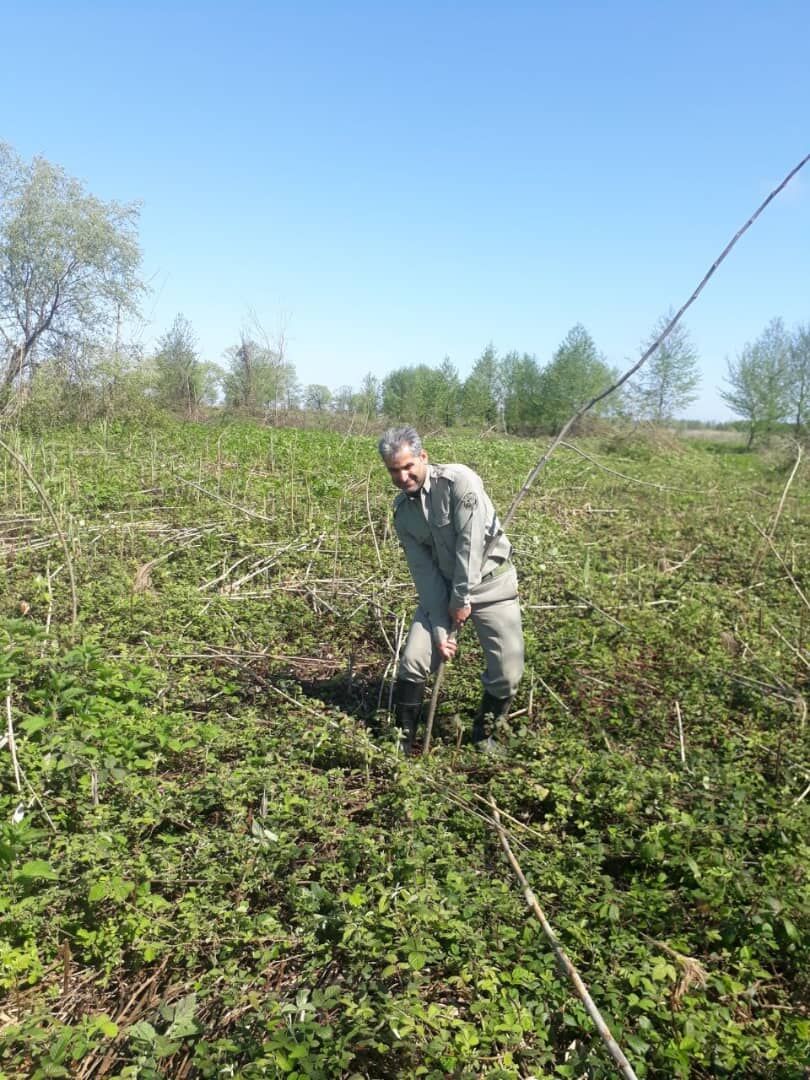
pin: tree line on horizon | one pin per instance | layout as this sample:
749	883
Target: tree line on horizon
69	278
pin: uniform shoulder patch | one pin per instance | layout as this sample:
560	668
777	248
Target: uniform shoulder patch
470	500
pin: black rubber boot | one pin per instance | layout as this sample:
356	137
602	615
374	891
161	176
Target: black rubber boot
408	695
491	713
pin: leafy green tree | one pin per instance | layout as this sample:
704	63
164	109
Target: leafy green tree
368	398
668	382
259	376
242	381
521	380
576	374
317	397
396	393
343	399
482	396
406	394
799	377
759	381
82	382
447	393
423	395
184	382
68	264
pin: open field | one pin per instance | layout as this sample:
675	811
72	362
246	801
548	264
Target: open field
720	435
215	863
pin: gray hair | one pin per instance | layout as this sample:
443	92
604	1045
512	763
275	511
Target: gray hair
395	438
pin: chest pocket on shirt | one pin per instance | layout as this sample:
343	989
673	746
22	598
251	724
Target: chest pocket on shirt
442	519
440	510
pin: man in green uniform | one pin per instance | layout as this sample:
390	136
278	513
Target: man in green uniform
444	520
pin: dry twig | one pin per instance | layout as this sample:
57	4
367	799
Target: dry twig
12	745
680	733
693	973
625	1068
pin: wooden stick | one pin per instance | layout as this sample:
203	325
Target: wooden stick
399	634
615	1051
793	649
684	560
556	696
12	745
680	733
434	698
371	522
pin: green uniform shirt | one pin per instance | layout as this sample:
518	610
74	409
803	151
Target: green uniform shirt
443	531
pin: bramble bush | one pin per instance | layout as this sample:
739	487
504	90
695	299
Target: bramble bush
216	864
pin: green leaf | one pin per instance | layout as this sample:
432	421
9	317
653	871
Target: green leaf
165	1047
36	869
142	1032
265	835
636	1043
33	723
790	930
183	1024
106	1026
356	897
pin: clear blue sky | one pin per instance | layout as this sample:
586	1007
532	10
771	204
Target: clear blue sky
397	183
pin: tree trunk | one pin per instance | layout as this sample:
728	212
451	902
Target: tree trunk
15	365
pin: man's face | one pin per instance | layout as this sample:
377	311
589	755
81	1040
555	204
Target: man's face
408	470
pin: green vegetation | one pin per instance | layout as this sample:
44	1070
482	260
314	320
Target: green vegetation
214	862
182	381
668	382
768	381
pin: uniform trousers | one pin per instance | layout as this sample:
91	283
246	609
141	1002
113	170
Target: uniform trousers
496	617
